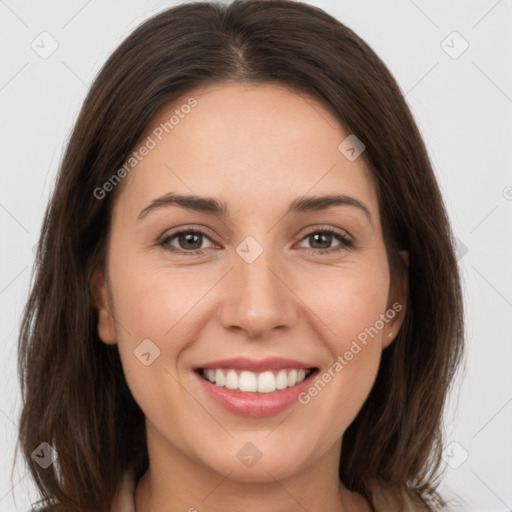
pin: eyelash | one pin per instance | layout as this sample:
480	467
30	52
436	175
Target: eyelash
345	242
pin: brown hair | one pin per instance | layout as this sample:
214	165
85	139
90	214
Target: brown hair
74	393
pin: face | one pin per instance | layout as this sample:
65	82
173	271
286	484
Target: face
238	281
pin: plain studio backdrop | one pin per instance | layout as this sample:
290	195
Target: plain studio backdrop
452	60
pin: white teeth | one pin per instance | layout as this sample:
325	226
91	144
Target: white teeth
247	381
282	379
292	377
219	378
232	380
264	382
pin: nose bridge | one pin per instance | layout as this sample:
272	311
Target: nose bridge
258	299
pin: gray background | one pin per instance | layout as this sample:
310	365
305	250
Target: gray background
462	103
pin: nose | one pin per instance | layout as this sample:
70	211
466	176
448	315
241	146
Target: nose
259	297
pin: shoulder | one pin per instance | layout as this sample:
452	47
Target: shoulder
124	500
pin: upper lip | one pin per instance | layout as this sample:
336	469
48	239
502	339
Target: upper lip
256	365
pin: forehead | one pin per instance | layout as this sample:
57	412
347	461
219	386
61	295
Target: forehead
246	144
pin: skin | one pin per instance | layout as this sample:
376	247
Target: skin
255	147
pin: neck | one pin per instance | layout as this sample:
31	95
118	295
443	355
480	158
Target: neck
233	496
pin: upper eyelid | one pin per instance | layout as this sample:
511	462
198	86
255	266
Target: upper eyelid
203	231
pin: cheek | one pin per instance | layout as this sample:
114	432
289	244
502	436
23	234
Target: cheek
152	299
155	316
152	310
349	302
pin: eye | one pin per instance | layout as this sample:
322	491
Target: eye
188	240
323	238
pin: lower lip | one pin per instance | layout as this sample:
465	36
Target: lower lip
255	404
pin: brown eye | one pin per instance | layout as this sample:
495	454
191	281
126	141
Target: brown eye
186	240
190	241
321	241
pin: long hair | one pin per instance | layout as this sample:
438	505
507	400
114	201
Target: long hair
75	397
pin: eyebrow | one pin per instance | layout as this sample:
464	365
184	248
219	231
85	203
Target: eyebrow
220	208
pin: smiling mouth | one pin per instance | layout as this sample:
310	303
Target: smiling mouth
245	381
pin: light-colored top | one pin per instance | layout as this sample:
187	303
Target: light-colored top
382	501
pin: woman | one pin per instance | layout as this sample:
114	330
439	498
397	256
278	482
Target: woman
187	344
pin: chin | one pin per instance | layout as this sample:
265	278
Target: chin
245	462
